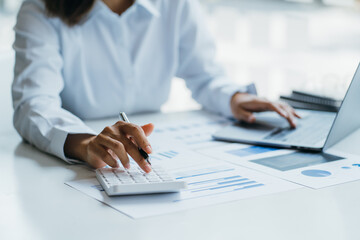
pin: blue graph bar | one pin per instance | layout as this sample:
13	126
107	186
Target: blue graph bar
220	187
232	185
226	178
218	193
207	173
213	180
165	155
215	184
251	186
169	154
237	180
155	157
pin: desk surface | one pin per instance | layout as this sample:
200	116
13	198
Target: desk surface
36	204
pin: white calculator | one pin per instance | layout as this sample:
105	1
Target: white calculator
120	181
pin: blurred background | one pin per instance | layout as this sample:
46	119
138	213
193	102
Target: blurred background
310	45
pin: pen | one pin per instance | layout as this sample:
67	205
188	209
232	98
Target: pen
124	118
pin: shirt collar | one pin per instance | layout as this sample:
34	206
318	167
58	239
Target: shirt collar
149	6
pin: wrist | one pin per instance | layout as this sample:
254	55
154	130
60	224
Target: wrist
236	98
75	146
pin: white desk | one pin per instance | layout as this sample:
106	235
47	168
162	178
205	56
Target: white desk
36	204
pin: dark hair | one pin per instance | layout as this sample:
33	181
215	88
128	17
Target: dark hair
70	11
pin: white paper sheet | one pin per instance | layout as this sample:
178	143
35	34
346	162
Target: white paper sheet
210	182
287	164
195	133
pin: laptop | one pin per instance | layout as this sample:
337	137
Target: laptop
316	131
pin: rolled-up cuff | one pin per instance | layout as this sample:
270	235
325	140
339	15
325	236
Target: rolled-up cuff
58	139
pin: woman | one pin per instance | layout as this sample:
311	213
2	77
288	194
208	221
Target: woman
88	59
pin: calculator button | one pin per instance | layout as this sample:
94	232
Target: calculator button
114	182
140	181
135	181
127	181
154	180
153	176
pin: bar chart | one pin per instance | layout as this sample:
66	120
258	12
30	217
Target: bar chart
164	155
191	125
214	181
194	134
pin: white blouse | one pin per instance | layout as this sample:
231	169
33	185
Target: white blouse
107	64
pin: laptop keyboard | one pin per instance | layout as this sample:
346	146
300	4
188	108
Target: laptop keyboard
310	130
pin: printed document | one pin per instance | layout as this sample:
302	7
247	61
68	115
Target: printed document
209	182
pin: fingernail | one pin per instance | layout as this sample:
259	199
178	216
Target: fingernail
148	149
251	118
127	165
147	168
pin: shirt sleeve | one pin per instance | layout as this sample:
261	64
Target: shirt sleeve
203	75
38	114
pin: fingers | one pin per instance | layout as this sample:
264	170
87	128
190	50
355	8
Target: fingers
245	106
148	129
292	110
116	147
133	151
244	115
284	111
296	114
138	134
116	142
100	154
289	109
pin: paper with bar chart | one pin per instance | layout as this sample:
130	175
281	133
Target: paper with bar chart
194	133
209	182
314	170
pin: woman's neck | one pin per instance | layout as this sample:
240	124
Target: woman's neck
118	6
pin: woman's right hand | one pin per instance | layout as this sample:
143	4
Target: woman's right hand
114	142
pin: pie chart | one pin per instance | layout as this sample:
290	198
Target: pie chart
316	173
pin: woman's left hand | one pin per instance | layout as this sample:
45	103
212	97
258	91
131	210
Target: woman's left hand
243	105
